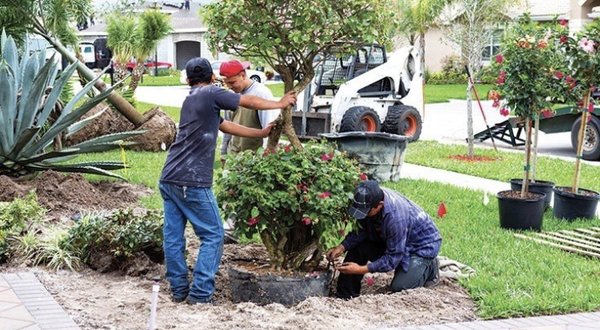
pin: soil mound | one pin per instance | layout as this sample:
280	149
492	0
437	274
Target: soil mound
160	129
66	194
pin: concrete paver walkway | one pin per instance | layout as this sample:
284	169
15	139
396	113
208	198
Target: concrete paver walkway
26	304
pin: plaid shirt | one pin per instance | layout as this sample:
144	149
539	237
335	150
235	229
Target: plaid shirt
404	227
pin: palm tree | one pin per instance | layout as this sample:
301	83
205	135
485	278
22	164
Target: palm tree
135	37
417	17
53	20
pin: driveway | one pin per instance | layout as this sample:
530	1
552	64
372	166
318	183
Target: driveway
447	123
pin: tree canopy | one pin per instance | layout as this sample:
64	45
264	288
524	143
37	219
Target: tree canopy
288	35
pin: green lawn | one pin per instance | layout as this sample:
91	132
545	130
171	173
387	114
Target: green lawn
443	93
172	112
433	93
507	165
148	80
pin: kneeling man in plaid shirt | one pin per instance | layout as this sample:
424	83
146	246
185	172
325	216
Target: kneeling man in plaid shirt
393	234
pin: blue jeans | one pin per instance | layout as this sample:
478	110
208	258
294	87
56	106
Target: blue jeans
199	206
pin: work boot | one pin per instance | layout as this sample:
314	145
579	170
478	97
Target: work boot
434	279
228	228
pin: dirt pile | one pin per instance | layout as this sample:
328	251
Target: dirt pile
160	129
65	195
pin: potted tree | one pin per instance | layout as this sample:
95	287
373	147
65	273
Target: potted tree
525	85
583	54
300	193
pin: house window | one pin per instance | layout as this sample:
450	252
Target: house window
493	46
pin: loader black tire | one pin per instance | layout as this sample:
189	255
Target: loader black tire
362	119
403	120
591	140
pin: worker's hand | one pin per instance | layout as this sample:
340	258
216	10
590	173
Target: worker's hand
288	99
352	268
335	252
265	131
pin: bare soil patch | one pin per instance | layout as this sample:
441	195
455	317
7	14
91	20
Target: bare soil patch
473	159
115	301
110	301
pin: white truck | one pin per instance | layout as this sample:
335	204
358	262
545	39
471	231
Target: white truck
368	91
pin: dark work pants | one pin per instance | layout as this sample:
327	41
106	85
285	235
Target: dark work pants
420	270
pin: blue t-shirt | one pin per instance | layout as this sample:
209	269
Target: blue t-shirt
191	158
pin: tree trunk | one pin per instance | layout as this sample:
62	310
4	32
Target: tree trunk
120	103
283	124
536	132
422	60
136	76
581	137
470	118
526	168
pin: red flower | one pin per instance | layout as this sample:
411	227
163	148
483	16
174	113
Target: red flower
563	22
363	177
306	221
547	113
496	103
499	58
505	112
501	78
327	157
442	210
288	148
341	232
268	151
370	281
324	195
252	221
558	74
591	107
303	187
563	39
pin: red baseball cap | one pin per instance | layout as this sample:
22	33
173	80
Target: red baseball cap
232	68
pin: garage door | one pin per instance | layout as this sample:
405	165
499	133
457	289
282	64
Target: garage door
186	50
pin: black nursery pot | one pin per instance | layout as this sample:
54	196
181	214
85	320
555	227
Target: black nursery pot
539	186
520	214
287	290
570	206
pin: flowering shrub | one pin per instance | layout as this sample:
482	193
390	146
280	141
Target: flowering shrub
583	54
528	70
530	77
295	200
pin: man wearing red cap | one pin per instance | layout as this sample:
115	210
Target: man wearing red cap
234	74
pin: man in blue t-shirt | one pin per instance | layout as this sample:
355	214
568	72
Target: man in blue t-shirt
186	179
394	234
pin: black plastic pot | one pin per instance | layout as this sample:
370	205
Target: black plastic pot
570	206
265	289
521	214
539	186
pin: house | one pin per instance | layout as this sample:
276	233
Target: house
187	40
576	12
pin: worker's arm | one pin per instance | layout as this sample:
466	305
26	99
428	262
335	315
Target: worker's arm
243	131
257	103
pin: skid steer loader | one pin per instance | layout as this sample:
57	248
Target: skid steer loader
369	91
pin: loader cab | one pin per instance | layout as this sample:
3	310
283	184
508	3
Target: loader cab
332	70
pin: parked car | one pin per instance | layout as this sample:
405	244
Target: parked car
257	76
150	65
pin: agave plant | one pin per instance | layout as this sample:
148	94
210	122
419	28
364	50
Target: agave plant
30	87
